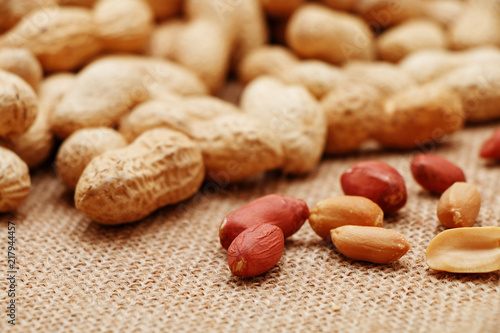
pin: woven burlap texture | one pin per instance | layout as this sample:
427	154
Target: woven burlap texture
169	273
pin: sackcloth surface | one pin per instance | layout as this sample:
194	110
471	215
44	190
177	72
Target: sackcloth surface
168	273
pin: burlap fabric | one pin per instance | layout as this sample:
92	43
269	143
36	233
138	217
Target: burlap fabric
169	273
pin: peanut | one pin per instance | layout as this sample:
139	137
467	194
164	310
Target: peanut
478	86
353	114
15	181
235	147
281	8
439	111
315	31
317	76
35	145
12	11
477	24
123	25
346	5
114	85
459	205
23	63
233	144
18	105
294	115
80	148
383	13
491	147
387	78
287	213
378	182
163	9
465	250
425	66
377	245
160	167
66	39
435	173
256	250
335	212
402	40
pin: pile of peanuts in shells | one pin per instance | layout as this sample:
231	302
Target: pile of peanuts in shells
123	94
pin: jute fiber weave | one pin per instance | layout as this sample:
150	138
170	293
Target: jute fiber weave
168	273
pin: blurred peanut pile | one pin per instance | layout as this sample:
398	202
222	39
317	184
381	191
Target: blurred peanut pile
127	87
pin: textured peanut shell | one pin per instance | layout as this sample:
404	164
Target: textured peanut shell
338	211
426	65
23	63
477	24
35	146
177	115
252	30
478	86
15	182
64	40
353	113
18	105
317	76
402	40
443	12
163	9
110	87
12	11
318	32
377	245
211	41
418	115
124	185
465	250
123	25
294	115
280	8
80	148
267	60
459	205
235	146
346	5
385	77
383	13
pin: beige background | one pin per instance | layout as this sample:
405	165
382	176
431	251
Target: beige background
168	272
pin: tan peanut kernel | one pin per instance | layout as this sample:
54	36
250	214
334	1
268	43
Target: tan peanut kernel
377	245
465	250
459	205
335	212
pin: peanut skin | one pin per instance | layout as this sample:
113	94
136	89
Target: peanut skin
256	250
378	182
287	213
23	63
435	173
